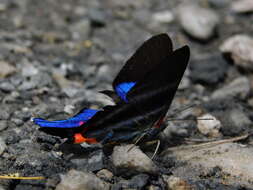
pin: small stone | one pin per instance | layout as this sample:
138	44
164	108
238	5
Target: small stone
29	70
4	115
235	122
210	69
3	7
240	49
2	146
209	127
242	6
17	121
70	88
7	86
81	30
176	183
77	180
136	182
134	160
96	161
3	125
104	73
105	175
219	3
163	17
6	69
69	109
240	87
97	17
152	187
198	22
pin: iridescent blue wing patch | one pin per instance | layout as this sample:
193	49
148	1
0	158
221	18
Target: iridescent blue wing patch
123	88
75	121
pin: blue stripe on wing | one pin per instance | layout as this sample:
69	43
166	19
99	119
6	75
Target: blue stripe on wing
72	122
123	88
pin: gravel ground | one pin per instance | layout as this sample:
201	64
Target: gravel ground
56	55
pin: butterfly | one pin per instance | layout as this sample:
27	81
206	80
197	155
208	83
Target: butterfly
143	91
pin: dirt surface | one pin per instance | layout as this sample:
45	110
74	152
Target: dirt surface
55	55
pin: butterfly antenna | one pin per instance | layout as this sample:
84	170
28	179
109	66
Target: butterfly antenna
138	140
198	119
156	149
184	108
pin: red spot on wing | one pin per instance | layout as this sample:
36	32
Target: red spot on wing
79	138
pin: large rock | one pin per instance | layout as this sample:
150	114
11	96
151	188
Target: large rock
76	180
233	160
198	22
133	161
240	49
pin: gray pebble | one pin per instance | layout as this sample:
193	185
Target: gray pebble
163	16
4	115
3	125
17	121
81	30
2	146
77	180
198	22
242	6
6	87
240	49
240	87
105	175
6	69
235	122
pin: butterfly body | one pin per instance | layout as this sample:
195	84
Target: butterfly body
143	90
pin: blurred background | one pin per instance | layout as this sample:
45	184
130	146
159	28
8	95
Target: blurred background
55	55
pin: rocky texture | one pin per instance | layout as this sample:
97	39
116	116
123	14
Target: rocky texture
236	164
198	22
240	49
76	180
60	53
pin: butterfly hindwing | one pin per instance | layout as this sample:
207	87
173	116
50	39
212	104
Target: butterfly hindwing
75	121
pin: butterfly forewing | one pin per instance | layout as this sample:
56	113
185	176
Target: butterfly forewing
148	56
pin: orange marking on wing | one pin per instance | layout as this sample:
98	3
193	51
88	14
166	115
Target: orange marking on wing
79	138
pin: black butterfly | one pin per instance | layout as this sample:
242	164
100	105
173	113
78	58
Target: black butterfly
143	92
